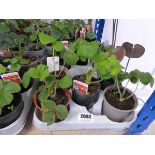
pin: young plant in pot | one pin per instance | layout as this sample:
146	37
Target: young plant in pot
119	102
51	98
11	104
20	62
85	50
34	47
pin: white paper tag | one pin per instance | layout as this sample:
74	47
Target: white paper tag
53	63
14	77
80	87
85	117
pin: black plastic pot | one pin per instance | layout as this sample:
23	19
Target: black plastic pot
11	117
105	83
41	54
85	100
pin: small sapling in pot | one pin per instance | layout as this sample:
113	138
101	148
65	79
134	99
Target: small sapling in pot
11	104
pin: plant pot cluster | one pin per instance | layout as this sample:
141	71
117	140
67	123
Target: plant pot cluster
27	55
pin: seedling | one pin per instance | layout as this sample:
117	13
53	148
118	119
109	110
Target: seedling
7	88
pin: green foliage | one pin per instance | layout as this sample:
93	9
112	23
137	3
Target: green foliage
90	35
7	88
89	76
40	72
65	82
107	66
16	62
49	83
53	111
2	69
70	58
87	49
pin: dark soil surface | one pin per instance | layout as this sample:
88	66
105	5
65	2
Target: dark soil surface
112	96
92	88
60	97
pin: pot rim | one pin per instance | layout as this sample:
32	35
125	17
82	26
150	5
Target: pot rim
134	97
36	101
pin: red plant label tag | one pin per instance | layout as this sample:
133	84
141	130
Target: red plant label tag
82	34
65	42
4	52
14	77
80	87
85	117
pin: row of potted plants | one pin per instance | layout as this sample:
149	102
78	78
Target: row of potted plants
21	50
52	98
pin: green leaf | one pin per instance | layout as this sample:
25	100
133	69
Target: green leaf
58	46
48	105
43	95
152	82
28	29
41	72
59	25
6	60
90	35
14	60
145	78
115	70
26	79
134	76
89	76
48	117
33	37
2	69
12	87
49	81
45	39
15	67
70	58
61	112
5	98
87	49
65	82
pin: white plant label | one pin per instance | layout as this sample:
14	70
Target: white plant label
53	63
80	87
14	77
85	117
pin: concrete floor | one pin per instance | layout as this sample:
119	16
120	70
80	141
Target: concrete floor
29	129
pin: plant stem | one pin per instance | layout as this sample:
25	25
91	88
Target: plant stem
61	69
55	88
54	63
95	82
117	84
0	111
125	88
123	99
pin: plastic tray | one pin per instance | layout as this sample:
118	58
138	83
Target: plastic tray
99	121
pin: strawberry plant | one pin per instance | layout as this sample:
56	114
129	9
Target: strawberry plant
48	89
7	88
